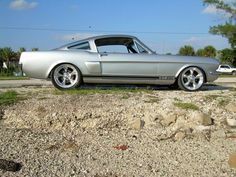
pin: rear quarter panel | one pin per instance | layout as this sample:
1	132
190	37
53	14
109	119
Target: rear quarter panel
39	64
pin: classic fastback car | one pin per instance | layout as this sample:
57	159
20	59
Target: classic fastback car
116	59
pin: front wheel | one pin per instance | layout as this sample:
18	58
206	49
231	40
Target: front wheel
191	79
66	76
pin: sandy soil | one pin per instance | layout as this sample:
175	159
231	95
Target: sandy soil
154	133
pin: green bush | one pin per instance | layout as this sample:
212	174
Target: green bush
9	72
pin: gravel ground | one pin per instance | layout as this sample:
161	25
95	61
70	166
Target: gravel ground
148	133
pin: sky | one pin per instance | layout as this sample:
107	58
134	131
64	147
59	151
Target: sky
163	25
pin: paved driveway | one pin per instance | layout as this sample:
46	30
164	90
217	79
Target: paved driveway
24	83
38	82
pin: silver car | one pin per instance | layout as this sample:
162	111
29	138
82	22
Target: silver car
117	59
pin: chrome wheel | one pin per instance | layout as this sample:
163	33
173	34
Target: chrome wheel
66	76
191	79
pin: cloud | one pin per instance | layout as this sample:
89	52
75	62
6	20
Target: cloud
202	41
22	5
211	9
77	36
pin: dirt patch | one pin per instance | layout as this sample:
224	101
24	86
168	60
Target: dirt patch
130	134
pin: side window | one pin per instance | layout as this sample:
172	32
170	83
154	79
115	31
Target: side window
141	49
81	46
116	45
225	66
112	49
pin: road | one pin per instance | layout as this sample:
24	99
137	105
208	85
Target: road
43	83
24	83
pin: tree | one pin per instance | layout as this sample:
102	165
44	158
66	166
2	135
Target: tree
22	49
228	56
1	60
200	53
35	49
187	50
227	30
209	51
7	54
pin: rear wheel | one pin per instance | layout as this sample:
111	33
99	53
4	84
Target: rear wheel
66	76
191	79
234	73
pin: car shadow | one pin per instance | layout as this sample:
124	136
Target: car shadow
205	87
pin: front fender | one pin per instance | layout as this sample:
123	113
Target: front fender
181	69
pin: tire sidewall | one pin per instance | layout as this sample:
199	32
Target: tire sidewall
77	84
180	83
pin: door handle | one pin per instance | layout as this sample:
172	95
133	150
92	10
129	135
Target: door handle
103	54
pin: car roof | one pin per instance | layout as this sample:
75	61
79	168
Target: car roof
108	36
99	37
94	38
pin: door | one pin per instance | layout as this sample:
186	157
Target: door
128	65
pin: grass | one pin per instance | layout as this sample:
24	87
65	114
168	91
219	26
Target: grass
212	97
9	97
233	89
223	102
125	96
176	99
187	106
83	91
13	78
152	100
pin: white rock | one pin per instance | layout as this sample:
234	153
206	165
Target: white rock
137	124
231	107
203	119
179	136
168	119
202	128
231	122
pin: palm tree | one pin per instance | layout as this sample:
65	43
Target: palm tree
7	54
187	50
210	51
35	49
1	60
200	52
22	49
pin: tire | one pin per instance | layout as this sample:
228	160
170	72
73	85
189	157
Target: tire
234	73
66	76
191	79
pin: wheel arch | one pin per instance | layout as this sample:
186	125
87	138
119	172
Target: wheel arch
52	67
187	66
